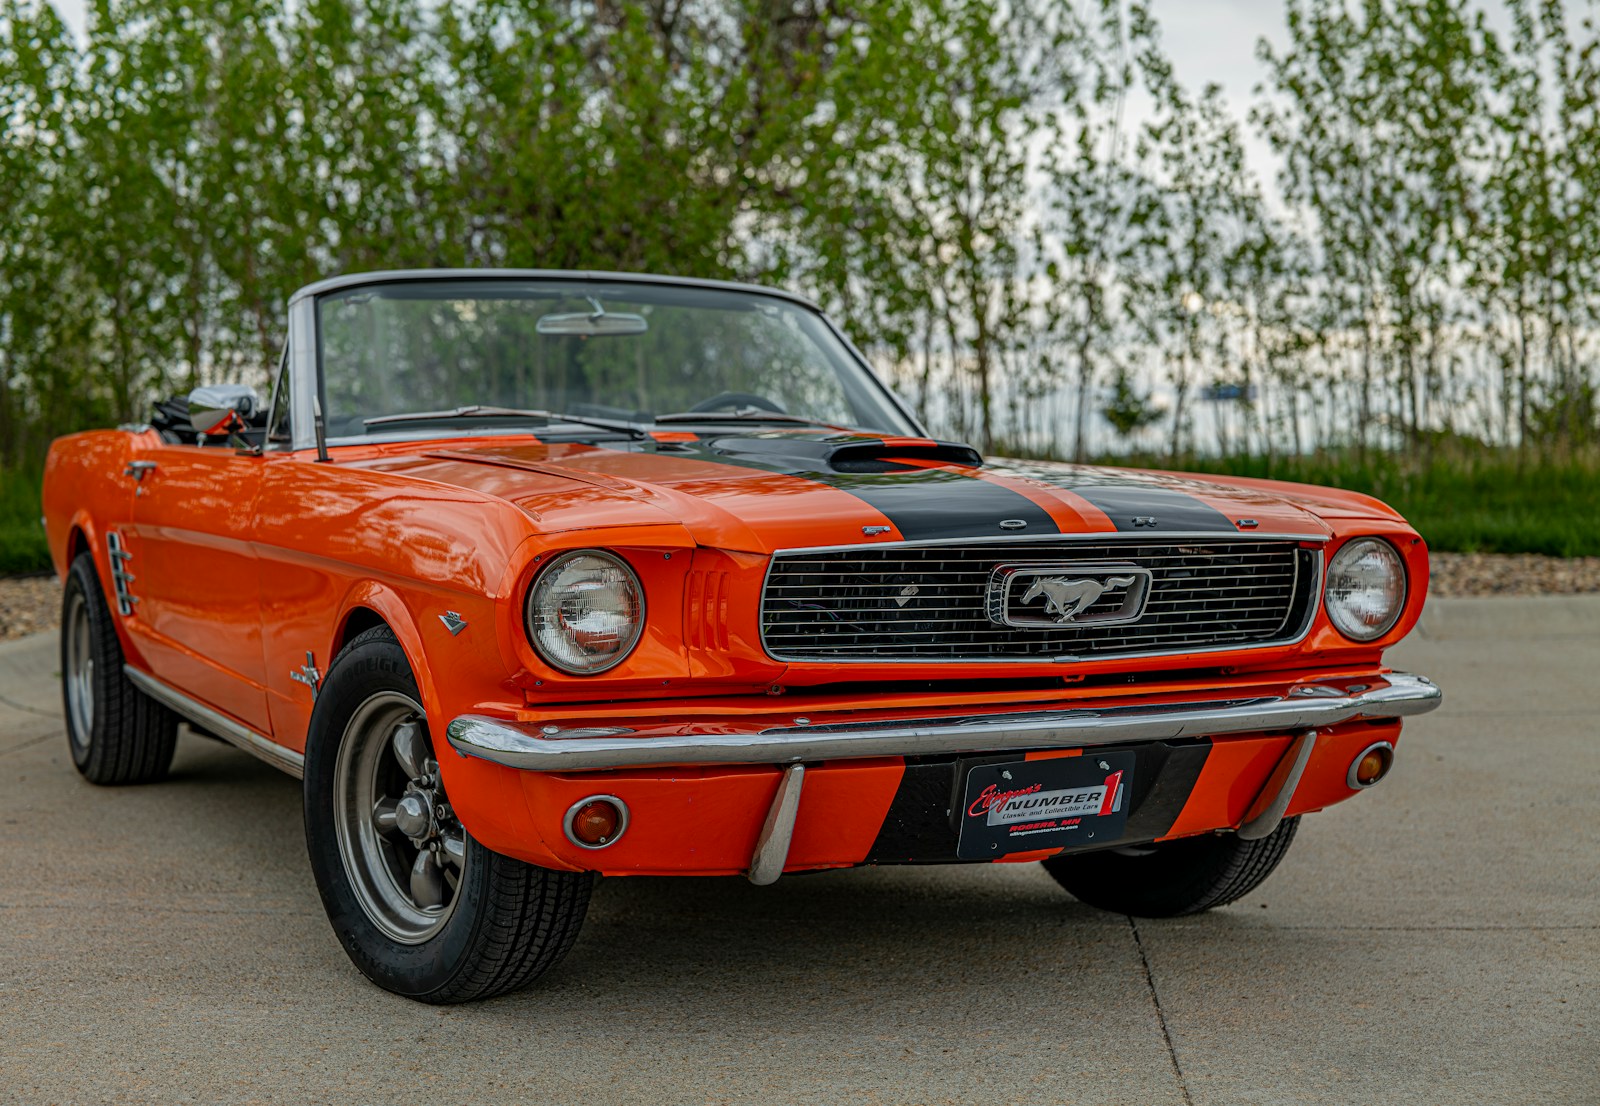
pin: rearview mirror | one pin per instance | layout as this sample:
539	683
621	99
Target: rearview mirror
219	409
585	324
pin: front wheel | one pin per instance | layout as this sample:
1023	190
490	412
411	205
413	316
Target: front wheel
420	907
116	733
1174	877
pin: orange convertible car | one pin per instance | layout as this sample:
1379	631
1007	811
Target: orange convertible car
535	576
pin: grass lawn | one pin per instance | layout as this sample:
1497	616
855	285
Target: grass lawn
1464	502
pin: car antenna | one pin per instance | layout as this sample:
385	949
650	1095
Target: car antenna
318	428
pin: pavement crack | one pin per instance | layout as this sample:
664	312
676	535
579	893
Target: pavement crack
14	705
41	739
1161	1015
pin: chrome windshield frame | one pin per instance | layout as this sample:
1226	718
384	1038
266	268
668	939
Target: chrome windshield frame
304	346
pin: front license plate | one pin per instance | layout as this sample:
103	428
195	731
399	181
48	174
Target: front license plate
1045	804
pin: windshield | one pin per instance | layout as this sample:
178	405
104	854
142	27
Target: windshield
498	352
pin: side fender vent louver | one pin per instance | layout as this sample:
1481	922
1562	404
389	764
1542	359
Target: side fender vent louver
705	610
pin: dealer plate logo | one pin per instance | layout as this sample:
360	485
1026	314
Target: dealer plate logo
1030	804
1070	802
1076	593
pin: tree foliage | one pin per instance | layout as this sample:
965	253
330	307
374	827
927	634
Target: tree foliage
1014	205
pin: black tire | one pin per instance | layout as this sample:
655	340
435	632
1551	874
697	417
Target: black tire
1175	877
505	921
117	733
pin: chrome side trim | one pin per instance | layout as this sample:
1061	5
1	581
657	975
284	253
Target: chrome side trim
730	741
772	844
257	745
1280	787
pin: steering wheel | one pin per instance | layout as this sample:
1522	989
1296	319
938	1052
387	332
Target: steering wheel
736	400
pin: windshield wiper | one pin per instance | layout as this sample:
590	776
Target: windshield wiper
747	415
484	411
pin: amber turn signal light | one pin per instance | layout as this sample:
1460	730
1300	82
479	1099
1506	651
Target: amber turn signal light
1371	765
596	822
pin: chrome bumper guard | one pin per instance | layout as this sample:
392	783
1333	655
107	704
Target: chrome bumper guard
1307	706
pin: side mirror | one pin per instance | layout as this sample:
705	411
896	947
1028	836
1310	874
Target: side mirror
219	409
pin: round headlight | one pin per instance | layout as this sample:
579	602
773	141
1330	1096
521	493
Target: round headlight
1366	589
585	612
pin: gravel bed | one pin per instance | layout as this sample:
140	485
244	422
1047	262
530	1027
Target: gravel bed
29	604
1458	575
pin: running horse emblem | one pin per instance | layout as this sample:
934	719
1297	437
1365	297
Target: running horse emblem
1066	599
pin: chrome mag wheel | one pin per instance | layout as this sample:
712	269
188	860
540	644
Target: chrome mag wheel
78	672
402	846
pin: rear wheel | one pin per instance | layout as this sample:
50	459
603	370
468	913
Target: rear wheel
117	733
420	907
1173	878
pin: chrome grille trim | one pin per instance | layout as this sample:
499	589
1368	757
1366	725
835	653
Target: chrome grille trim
1198	605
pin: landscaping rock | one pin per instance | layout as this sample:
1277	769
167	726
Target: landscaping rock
28	604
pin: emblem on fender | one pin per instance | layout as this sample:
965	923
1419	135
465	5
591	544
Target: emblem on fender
309	675
1072	594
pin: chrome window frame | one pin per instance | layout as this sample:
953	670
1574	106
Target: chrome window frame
272	403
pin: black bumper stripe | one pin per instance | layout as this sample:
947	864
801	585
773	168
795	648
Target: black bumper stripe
921	827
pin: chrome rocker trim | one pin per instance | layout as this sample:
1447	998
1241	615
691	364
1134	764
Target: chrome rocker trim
1304	707
240	736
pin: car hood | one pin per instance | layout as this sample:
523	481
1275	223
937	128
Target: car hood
759	492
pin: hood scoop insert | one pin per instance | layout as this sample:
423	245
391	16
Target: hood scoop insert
849	455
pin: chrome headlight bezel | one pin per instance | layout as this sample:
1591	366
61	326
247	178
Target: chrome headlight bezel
1343	562
540	614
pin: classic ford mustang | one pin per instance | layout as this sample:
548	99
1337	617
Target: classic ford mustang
533	576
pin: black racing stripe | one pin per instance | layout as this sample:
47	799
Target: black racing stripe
1131	507
1130	502
922	503
921	827
937	503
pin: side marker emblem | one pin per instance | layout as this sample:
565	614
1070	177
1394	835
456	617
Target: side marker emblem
309	675
874	531
120	576
1013	524
453	622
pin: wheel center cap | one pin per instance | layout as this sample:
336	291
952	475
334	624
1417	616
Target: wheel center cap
413	815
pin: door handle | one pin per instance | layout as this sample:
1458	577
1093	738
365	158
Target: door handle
137	469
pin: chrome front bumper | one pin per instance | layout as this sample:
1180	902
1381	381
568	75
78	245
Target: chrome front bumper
1307	706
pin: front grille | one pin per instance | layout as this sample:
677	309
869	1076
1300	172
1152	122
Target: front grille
910	602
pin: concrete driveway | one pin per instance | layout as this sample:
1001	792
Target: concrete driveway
1436	941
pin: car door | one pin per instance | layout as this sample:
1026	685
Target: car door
197	575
